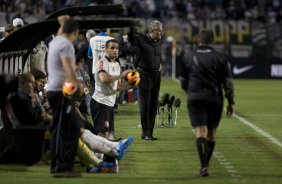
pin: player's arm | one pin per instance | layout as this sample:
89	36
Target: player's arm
69	70
106	79
228	89
71	75
123	87
61	20
184	74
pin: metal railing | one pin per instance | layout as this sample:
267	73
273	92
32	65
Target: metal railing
12	63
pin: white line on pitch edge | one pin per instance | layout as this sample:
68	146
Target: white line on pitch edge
260	131
235	175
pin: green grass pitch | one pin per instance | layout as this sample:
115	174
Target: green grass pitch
242	155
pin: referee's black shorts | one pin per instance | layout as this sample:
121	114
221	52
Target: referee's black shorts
203	112
103	117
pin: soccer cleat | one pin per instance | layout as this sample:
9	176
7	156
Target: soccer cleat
103	167
128	140
204	171
123	147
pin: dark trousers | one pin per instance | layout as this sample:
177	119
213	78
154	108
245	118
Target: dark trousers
65	132
149	88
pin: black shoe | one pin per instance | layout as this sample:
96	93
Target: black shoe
142	136
150	138
204	171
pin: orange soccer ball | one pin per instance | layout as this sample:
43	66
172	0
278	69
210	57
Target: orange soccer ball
68	88
133	78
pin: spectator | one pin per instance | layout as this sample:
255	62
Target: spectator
18	23
88	57
84	105
40	80
37	57
26	104
8	30
97	44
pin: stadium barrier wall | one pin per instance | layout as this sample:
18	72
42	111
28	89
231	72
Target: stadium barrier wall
254	48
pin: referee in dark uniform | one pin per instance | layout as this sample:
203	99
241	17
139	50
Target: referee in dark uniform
205	73
149	64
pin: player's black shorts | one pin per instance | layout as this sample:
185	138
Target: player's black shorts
203	112
103	117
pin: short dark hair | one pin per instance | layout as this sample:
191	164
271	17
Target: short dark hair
70	26
206	37
38	74
110	41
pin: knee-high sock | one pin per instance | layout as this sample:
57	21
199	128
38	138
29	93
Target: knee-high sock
86	156
111	144
210	150
202	150
98	144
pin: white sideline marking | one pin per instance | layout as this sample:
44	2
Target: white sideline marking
260	131
235	175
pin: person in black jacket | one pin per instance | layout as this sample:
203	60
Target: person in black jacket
204	73
149	65
26	104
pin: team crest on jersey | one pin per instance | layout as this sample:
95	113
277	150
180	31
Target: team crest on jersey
107	124
101	65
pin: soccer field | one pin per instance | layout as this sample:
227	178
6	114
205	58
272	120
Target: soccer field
248	148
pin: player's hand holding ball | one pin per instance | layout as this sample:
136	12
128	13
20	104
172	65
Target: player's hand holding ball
133	78
72	90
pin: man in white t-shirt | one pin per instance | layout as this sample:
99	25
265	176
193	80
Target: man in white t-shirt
97	44
107	77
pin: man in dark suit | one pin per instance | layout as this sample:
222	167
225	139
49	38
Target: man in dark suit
149	65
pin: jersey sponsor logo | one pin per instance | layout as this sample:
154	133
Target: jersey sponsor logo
101	65
238	71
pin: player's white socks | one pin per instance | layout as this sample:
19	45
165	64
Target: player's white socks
99	144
